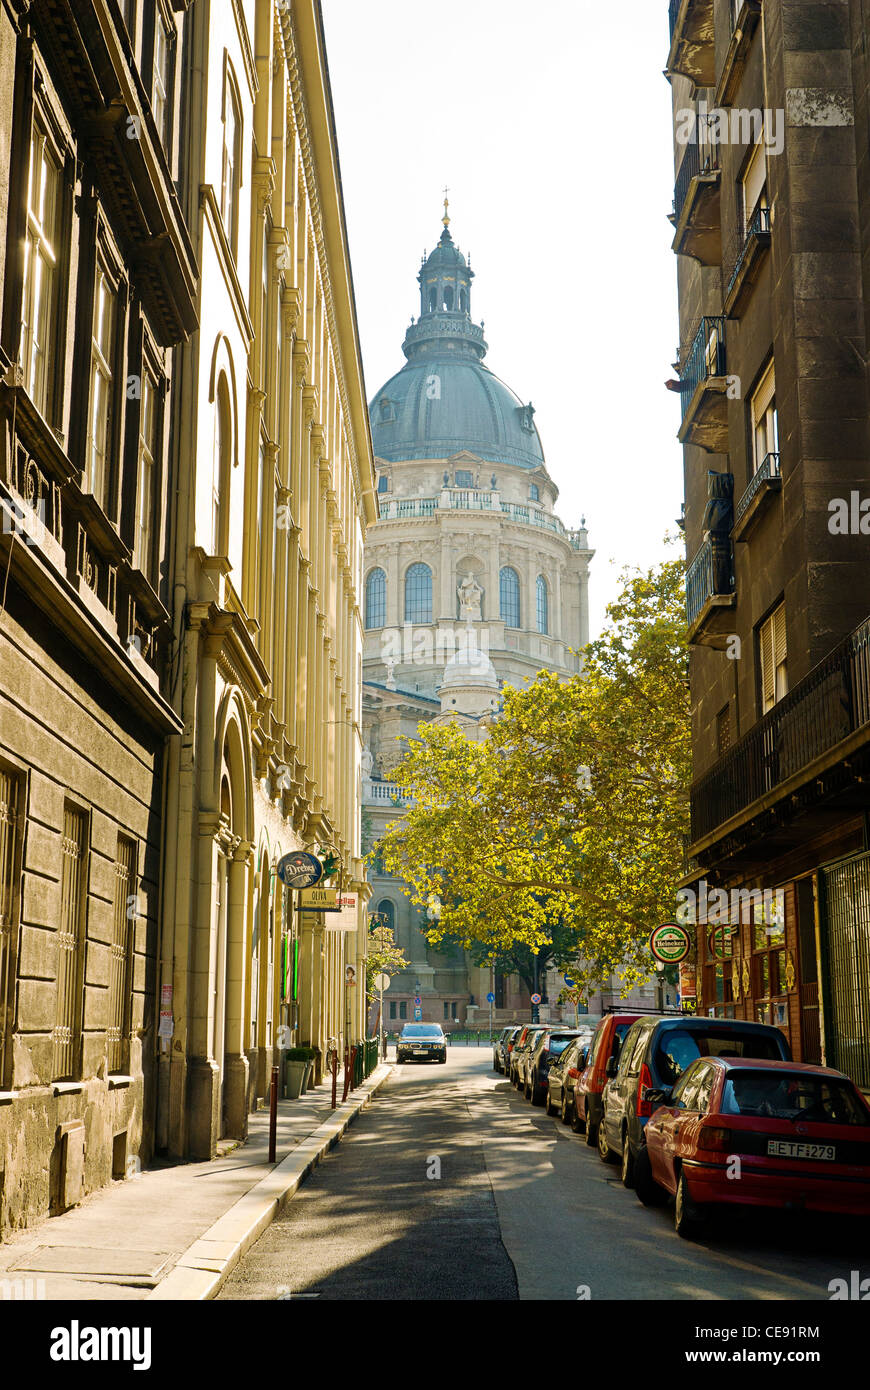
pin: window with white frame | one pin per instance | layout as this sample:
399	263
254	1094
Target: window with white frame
146	469
102	386
542	605
160	78
773	659
40	269
765	426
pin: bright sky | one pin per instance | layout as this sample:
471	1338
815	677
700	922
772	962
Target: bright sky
550	124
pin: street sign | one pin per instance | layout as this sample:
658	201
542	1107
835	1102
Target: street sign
382	981
299	869
418	1015
568	981
536	998
417	1000
490	998
670	943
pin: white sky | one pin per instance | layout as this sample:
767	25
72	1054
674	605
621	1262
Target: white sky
550	123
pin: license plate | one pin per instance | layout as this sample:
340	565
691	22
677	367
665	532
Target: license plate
420	1051
787	1148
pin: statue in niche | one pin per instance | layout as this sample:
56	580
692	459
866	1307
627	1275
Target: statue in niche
470	595
446	482
367	763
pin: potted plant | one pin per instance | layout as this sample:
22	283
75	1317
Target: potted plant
311	1076
296	1064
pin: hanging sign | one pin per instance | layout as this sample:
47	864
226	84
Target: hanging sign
299	869
670	943
344	916
318	900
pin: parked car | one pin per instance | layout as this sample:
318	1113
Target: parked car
653	1056
607	1043
801	1135
500	1044
523	1044
562	1078
548	1047
421	1042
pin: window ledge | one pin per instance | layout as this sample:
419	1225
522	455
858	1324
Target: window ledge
67	1088
6	1097
118	1079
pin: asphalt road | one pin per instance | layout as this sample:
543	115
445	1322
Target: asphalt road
451	1186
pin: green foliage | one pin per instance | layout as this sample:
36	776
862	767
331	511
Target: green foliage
382	954
565	829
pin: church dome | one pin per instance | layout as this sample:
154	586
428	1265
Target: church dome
444	400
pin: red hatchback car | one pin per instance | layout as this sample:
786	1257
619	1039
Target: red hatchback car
588	1089
741	1131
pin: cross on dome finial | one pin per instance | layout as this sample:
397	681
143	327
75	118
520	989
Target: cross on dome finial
446	219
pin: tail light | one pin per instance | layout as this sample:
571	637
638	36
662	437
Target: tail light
714	1137
644	1107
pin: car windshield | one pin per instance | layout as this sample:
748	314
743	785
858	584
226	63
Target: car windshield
679	1047
422	1030
792	1096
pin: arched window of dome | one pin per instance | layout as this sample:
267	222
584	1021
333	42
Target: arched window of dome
542	605
433	301
509	596
463	301
534	492
418	594
376	599
387	409
448	297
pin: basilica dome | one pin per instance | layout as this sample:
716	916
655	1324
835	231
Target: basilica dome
444	400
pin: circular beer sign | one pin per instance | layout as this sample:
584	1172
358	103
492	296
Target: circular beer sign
670	943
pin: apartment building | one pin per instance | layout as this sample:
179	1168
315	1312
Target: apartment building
771	225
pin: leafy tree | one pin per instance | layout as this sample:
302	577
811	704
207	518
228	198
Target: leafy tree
572	815
382	954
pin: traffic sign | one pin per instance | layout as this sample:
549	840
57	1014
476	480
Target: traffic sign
536	998
382	981
417	1000
568	981
418	1015
490	998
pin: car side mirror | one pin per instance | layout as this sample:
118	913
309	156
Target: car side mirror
612	1067
653	1095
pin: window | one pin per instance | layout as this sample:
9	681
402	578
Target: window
509	597
392	1008
765	426
160	81
376	599
145	473
418	594
121	959
231	169
464	477
753	189
387	914
403	1009
773	658
769	961
383	483
39	292
101	388
534	492
221	461
542	605
9	813
68	1014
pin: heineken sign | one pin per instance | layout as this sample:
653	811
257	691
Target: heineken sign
670	943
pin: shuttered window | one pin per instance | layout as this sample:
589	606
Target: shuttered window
68	1013
773	659
9	791
121	960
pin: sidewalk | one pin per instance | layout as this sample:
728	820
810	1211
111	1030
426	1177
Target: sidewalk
176	1230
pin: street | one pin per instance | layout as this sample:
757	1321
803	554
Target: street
452	1187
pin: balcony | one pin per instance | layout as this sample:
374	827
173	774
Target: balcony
709	591
703	388
765	481
384	794
398	508
478	500
745	24
697	199
743	259
693	51
801	749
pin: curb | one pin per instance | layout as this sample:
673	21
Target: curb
199	1273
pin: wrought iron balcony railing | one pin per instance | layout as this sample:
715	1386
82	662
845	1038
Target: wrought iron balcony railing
710	575
701	157
829	704
743	240
767	469
705	358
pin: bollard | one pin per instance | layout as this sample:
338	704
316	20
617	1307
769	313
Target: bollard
334	1077
273	1116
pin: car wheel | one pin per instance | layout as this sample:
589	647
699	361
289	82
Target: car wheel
627	1165
591	1135
443	1061
548	1104
605	1152
564	1113
645	1185
527	1089
688	1218
577	1124
536	1097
